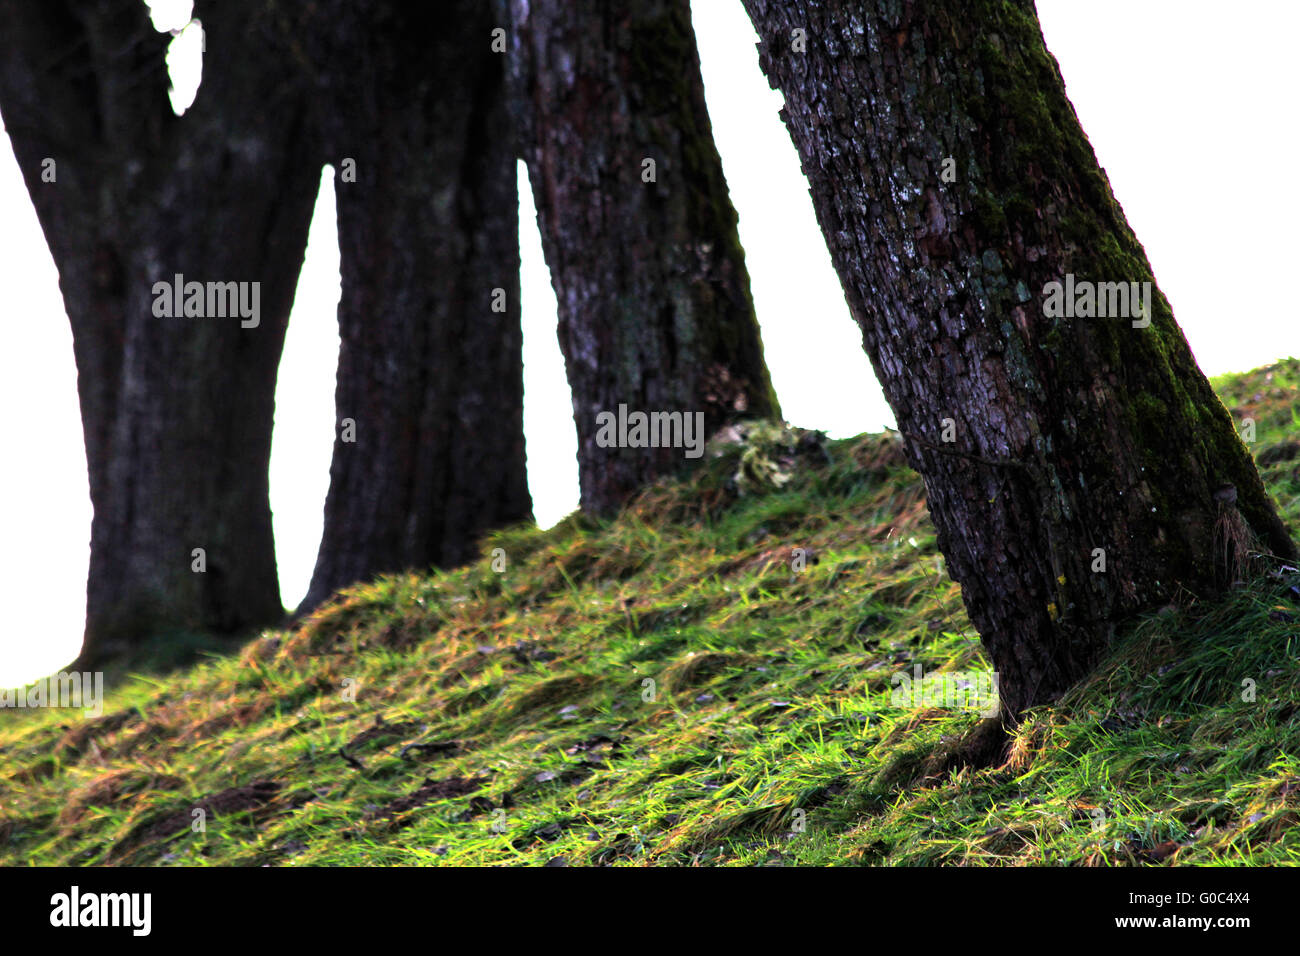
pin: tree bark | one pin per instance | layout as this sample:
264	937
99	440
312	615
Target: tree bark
430	379
177	412
654	303
1069	435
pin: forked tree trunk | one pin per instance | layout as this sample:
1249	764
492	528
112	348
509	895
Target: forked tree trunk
177	412
637	227
429	447
1073	439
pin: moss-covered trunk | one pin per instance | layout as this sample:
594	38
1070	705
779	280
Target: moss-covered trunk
429	451
1078	468
638	229
176	408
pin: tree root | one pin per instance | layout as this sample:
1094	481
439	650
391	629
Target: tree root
987	744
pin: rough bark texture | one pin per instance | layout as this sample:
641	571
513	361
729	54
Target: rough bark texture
1070	434
177	412
654	304
430	375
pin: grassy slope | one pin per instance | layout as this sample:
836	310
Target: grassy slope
501	717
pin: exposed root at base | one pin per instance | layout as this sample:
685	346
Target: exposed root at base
987	744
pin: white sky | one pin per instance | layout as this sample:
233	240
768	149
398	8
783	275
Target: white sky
1191	113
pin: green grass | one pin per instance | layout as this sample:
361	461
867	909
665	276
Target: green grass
477	717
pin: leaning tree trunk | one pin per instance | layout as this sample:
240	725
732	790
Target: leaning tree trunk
953	183
429	447
177	412
638	230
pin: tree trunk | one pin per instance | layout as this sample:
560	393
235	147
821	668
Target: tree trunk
177	411
429	449
654	304
953	183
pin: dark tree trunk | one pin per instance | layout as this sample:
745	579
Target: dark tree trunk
429	448
177	412
1070	434
654	305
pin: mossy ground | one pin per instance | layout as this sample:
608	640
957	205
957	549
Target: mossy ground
478	717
